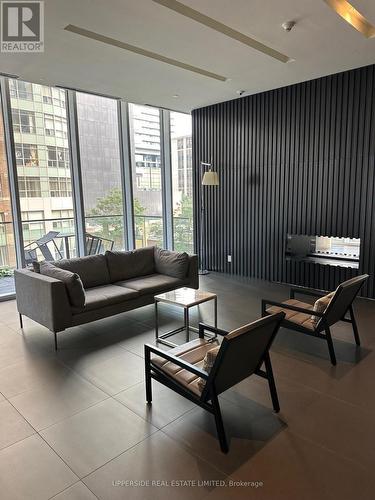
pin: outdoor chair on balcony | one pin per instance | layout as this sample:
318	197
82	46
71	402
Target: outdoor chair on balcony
41	244
202	369
95	244
317	319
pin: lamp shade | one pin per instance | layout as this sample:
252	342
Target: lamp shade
210	178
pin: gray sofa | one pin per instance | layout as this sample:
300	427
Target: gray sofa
111	284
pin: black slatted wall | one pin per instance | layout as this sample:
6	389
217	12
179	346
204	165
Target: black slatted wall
294	160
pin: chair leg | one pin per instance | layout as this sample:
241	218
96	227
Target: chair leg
354	325
21	321
271	383
219	424
330	346
55	337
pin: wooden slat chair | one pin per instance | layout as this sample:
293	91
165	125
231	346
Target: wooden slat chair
298	314
241	354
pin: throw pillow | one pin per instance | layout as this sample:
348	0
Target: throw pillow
208	363
321	305
171	263
133	264
72	281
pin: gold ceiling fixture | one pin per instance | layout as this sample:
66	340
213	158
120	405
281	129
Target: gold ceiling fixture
352	16
197	16
143	52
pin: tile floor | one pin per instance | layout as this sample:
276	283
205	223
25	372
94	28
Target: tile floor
74	425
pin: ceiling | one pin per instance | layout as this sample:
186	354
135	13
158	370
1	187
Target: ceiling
321	43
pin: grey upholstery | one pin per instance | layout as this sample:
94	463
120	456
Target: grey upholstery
106	295
171	263
92	270
126	265
46	300
72	281
154	283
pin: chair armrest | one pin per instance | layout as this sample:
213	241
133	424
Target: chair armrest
307	291
290	307
203	327
173	359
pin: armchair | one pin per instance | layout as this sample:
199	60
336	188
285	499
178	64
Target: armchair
298	314
241	354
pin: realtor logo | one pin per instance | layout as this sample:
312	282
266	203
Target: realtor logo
22	26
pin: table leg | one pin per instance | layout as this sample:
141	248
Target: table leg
186	322
156	321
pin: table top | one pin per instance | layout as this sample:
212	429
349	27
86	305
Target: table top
185	297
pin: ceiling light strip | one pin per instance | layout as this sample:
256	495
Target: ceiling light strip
352	16
143	52
222	28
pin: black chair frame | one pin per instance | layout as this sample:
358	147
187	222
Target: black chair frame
322	324
209	397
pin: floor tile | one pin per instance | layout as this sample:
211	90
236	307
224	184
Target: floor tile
158	458
13	427
46	406
29	374
292	467
114	374
247	432
166	404
30	470
76	492
94	436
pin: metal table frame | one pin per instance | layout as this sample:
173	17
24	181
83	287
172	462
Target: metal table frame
161	339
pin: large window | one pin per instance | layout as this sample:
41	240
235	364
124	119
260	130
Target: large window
43	169
182	186
42	176
7	247
147	175
101	171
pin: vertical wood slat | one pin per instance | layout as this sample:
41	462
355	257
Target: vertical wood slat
300	159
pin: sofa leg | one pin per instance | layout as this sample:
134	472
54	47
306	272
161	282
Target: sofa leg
21	321
55	337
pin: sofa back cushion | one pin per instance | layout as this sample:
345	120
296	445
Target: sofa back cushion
72	281
126	265
92	269
171	263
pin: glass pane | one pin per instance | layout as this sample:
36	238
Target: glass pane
182	184
147	181
43	168
7	247
101	172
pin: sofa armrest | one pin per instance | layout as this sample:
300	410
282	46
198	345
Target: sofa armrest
192	274
43	299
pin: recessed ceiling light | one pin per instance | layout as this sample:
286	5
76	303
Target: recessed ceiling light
175	96
352	16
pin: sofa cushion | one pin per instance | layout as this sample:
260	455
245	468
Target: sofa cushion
72	281
154	283
101	296
126	265
92	269
171	263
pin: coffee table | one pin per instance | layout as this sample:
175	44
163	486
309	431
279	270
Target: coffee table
185	298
